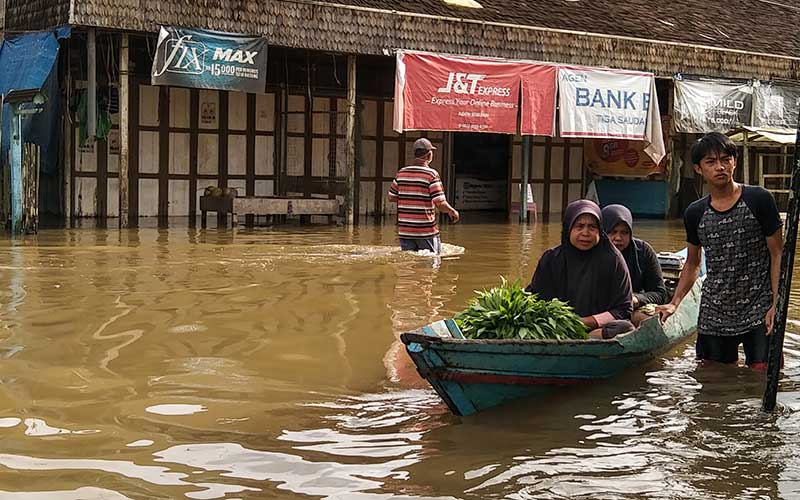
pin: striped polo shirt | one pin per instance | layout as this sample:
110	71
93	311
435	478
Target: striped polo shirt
416	189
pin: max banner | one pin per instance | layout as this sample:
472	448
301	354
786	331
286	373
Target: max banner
459	94
210	60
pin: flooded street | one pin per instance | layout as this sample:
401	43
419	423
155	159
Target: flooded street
206	364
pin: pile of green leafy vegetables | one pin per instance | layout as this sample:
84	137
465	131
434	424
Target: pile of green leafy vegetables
509	312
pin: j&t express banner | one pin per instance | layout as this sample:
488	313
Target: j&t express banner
538	100
610	104
449	93
210	60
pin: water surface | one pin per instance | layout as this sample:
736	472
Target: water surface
264	363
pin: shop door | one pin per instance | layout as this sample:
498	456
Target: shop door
481	166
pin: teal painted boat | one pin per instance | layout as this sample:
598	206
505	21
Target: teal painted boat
473	375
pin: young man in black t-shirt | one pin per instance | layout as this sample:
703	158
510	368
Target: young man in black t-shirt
739	228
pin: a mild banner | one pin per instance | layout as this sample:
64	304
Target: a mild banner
703	106
598	103
776	106
460	94
210	60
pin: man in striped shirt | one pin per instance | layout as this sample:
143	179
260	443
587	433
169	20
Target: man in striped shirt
417	189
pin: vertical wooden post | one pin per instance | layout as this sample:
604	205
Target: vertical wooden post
91	64
69	137
350	138
746	159
523	186
124	131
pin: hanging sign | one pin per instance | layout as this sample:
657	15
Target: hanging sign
703	106
619	158
624	158
459	94
600	103
538	113
775	106
210	60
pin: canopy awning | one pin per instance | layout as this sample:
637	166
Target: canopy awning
27	61
781	136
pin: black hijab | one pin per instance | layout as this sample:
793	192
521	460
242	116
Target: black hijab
592	281
613	215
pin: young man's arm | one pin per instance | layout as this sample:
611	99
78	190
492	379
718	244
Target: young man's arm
689	274
775	245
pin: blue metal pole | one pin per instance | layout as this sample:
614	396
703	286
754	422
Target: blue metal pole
16	171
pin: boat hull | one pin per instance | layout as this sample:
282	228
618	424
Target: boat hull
473	375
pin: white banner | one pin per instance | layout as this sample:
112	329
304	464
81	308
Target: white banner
610	104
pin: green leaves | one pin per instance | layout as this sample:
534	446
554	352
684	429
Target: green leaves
509	312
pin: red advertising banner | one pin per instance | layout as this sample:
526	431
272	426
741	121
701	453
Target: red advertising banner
459	94
538	100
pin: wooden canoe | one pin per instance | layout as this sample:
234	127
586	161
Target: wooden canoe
473	375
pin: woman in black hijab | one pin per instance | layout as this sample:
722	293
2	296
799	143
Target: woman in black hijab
647	281
586	271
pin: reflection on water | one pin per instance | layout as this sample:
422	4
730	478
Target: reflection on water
266	364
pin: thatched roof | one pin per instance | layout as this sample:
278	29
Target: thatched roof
744	38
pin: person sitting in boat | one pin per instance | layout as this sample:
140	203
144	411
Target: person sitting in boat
587	272
647	282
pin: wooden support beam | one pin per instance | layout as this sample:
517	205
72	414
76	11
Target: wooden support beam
350	138
124	131
91	64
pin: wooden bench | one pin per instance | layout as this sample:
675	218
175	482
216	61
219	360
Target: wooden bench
264	205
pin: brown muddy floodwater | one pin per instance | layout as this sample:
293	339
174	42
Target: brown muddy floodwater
197	364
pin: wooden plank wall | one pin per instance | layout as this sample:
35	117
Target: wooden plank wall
183	140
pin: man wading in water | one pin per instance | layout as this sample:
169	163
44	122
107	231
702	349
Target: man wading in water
417	190
738	227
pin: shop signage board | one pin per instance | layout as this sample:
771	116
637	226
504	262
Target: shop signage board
703	106
210	60
604	103
480	194
460	94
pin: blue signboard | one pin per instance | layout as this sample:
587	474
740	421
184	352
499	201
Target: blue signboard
210	60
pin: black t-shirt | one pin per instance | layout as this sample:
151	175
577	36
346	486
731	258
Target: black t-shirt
737	291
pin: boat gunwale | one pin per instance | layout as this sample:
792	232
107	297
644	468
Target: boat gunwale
418	338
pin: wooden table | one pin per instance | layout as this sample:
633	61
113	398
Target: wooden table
265	205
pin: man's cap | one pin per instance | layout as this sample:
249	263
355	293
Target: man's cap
423	143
